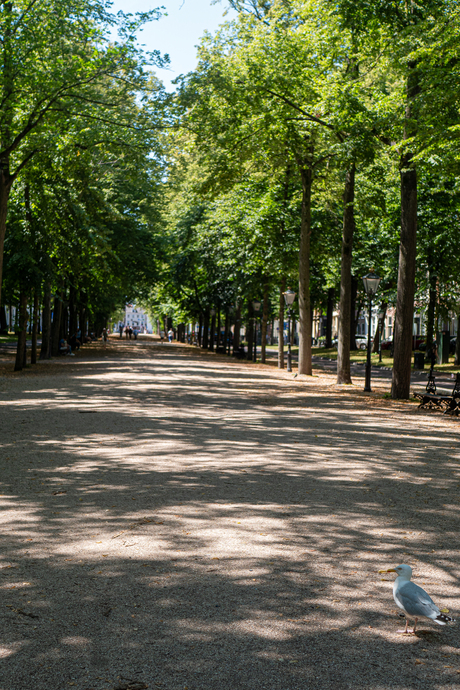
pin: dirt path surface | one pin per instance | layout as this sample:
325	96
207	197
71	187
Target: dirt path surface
176	520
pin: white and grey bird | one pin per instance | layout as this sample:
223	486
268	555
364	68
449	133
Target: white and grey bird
413	600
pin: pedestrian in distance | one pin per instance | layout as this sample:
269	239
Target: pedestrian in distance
170	335
162	336
104	336
120	330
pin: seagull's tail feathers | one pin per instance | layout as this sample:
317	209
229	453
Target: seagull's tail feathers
442	619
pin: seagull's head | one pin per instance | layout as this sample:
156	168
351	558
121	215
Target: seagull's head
404	571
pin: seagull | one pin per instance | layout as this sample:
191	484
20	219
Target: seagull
413	600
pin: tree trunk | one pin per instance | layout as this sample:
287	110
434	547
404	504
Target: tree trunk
406	283
237	327
250	331
457	343
219	328
226	331
400	388
3	323
347	327
430	317
213	332
5	188
205	343
35	318
56	326
304	275
281	325
72	311
263	345
45	351
22	331
200	330
329	315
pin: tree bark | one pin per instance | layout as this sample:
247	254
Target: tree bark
431	311
250	331
205	343
457	343
304	274
200	329
56	325
346	334
400	388
22	331
329	315
237	327
378	328
6	182
213	332
226	332
35	317
406	283
263	344
219	328
45	351
281	325
3	323
73	316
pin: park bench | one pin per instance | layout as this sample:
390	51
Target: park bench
432	400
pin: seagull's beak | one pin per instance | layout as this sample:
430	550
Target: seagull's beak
391	570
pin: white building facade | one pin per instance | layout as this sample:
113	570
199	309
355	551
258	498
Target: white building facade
135	317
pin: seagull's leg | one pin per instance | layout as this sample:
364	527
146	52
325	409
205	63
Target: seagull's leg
405	631
415	624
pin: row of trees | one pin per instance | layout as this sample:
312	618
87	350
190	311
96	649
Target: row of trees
81	164
315	140
311	141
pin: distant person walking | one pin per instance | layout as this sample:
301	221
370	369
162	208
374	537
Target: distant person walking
170	335
104	336
120	330
162	336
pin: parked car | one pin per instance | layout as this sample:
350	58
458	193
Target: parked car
387	344
361	342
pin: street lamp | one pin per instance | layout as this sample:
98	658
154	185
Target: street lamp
371	285
289	297
256	307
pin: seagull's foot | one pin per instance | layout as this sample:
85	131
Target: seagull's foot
406	632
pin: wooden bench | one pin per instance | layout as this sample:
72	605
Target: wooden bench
431	400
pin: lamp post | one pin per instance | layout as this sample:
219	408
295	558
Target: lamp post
256	307
289	297
371	285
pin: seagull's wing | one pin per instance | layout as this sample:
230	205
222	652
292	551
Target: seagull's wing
415	601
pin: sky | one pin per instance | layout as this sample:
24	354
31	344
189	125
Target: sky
179	33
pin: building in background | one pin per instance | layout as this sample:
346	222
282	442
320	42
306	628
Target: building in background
135	317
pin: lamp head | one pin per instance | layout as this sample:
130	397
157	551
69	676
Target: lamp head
289	297
256	305
371	283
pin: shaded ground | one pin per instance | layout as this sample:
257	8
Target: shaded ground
176	520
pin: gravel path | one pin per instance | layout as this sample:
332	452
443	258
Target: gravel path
175	520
